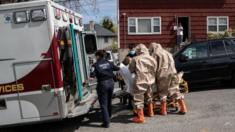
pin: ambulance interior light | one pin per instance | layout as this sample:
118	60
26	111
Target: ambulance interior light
80	22
76	20
65	16
21	17
38	15
57	13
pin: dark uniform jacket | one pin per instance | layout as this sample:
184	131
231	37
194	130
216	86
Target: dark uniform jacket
103	70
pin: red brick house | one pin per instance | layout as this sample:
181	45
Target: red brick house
145	21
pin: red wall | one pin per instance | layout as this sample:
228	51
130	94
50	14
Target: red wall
196	10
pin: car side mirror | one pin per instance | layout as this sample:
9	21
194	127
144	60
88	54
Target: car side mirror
183	58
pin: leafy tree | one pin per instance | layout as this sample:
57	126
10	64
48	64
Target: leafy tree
107	23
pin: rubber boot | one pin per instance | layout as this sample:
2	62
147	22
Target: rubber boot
140	116
163	109
183	109
150	110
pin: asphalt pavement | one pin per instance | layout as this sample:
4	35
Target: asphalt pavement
209	111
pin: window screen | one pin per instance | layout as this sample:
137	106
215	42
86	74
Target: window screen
156	25
217	24
132	25
144	25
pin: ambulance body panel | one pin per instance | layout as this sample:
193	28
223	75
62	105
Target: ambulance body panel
32	80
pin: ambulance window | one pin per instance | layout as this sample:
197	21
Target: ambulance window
21	17
38	15
90	44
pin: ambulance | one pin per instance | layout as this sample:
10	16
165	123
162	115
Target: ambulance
44	63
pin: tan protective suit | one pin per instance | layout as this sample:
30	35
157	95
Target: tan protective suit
166	76
144	67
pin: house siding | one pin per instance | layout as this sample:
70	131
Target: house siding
101	44
197	11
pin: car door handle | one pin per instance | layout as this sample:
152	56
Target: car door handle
187	72
203	62
232	57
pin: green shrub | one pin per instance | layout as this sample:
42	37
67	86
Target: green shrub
228	33
114	47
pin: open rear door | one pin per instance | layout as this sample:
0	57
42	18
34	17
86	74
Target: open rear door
86	97
90	44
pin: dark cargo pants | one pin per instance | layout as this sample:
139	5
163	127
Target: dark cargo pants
105	93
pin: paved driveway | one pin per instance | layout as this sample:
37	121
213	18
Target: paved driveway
209	111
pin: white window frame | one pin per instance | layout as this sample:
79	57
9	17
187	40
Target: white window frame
217	18
152	26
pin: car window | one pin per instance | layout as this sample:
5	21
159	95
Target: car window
196	51
230	46
217	48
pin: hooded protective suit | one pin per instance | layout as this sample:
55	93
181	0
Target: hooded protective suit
166	76
144	67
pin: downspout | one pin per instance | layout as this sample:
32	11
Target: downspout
124	27
118	24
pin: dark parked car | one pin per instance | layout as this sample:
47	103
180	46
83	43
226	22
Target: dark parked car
207	61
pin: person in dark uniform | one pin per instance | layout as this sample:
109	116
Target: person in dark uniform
103	71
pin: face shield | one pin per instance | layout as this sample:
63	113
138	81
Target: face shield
155	47
141	49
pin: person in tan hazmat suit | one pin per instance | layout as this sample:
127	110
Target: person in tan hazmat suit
144	68
167	78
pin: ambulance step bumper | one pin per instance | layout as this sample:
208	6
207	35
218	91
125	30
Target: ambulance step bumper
84	106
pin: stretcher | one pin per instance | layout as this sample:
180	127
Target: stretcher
172	104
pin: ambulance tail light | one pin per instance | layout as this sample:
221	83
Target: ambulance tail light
55	113
38	15
21	17
3	104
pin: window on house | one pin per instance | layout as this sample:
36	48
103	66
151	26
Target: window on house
106	39
144	25
217	24
156	25
132	25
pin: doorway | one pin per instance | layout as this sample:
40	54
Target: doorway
185	24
